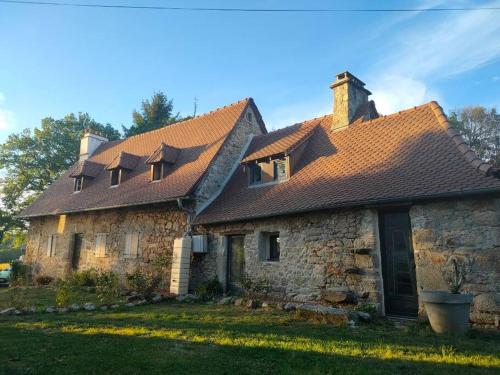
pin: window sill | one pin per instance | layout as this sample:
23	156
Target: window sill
269	262
113	186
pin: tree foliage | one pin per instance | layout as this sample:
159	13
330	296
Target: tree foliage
155	113
31	160
480	128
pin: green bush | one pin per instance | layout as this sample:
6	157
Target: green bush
64	294
107	287
256	286
208	290
43	280
141	282
21	273
86	278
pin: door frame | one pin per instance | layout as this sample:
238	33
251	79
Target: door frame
229	285
382	254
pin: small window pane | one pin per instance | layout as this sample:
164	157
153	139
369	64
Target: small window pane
274	247
279	170
157	172
78	183
115	177
255	174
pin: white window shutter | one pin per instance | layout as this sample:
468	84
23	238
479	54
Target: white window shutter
135	244
100	245
49	245
132	245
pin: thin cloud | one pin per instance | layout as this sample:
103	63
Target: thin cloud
435	50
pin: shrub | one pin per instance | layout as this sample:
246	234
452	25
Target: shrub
86	278
208	290
43	280
21	273
107	287
141	282
64	294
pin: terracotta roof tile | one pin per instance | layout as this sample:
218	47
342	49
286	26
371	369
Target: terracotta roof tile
164	153
85	168
413	154
124	160
199	140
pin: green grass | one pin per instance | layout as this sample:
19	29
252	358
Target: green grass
41	297
206	339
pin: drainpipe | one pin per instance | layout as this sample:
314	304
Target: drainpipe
190	216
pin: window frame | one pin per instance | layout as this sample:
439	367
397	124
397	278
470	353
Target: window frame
254	169
266	255
118	177
276	170
161	171
78	187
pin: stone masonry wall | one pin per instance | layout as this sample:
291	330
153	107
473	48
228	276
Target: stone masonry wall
228	156
320	252
158	226
468	230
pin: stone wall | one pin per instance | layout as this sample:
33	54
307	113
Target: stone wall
158	227
469	231
320	253
230	154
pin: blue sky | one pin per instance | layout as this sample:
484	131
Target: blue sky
56	60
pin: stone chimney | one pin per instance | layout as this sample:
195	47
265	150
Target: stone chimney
89	143
350	100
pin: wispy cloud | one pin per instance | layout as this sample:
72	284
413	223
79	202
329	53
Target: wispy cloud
7	118
435	48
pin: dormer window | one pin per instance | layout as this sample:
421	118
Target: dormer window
255	174
279	170
157	171
78	184
115	177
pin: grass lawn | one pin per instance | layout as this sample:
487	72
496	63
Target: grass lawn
200	338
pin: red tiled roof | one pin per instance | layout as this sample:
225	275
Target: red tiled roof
413	154
198	139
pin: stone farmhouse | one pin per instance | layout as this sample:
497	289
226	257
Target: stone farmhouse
352	206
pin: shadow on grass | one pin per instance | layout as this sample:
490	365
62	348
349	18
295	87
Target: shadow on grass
39	351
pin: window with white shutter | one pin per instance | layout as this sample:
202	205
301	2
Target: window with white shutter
100	245
51	245
132	245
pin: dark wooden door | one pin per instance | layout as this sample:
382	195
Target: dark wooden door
236	262
77	249
398	265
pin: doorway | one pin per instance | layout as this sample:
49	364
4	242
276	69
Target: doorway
77	249
398	264
236	262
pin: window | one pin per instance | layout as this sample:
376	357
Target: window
156	171
78	184
51	245
249	116
132	245
100	245
274	247
116	175
279	170
255	174
269	245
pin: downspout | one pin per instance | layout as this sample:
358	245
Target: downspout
190	216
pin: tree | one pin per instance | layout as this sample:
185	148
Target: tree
480	128
31	160
154	114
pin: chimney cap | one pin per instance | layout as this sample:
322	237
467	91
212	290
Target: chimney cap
345	77
95	133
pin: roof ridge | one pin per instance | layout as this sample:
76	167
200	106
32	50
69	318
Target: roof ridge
462	146
248	99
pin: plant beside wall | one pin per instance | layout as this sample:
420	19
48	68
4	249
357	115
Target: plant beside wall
208	290
142	282
448	312
21	273
107	287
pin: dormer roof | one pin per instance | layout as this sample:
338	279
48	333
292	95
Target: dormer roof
164	153
124	160
86	168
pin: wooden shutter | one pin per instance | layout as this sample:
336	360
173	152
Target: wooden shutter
49	245
100	245
132	245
